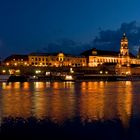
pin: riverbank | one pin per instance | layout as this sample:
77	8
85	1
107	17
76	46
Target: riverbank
72	77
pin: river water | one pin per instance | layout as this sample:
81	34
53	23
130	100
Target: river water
70	110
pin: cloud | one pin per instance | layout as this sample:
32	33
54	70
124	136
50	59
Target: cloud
110	39
66	46
105	40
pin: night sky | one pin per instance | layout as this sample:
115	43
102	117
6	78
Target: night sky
67	25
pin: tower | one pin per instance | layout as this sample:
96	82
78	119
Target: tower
124	51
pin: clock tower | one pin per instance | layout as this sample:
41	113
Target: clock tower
124	51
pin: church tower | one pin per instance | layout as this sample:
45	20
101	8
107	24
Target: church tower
124	51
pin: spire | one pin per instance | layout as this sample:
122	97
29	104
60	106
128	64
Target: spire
124	38
124	51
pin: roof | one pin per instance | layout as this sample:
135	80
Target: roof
51	54
100	52
131	55
16	57
103	53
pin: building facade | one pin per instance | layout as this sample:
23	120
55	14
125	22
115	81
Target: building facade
122	58
16	60
122	61
56	60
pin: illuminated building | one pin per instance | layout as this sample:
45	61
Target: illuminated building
122	62
16	60
122	59
56	60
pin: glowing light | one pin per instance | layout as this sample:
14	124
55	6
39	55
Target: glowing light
47	73
34	76
38	71
68	77
17	71
128	73
3	71
106	72
71	70
101	72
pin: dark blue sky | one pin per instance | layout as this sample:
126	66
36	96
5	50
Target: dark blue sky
29	25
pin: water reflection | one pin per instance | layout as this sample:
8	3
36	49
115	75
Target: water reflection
59	101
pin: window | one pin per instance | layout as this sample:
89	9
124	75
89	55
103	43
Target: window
39	59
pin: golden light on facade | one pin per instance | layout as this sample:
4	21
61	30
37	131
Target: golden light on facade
3	71
7	64
68	77
17	71
71	70
38	71
48	73
106	72
101	72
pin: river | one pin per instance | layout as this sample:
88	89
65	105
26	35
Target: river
71	110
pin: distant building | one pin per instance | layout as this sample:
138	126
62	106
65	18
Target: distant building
121	62
122	58
16	60
56	60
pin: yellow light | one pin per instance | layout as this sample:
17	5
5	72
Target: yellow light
106	72
47	73
68	77
71	70
3	71
7	64
101	72
38	71
15	64
128	72
18	71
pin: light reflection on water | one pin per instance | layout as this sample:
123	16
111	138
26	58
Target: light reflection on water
60	101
